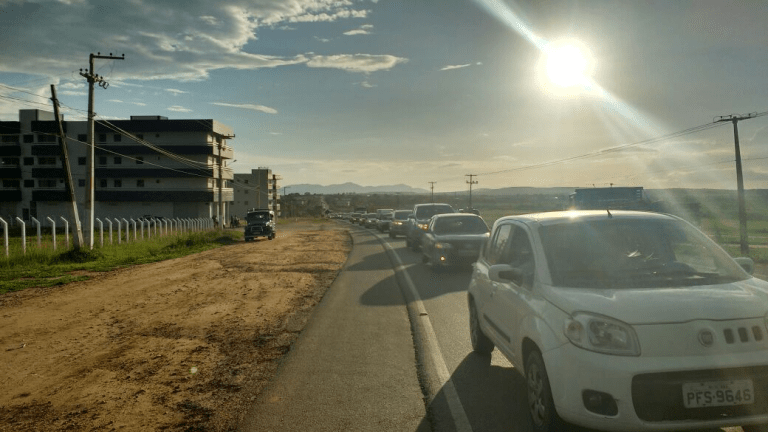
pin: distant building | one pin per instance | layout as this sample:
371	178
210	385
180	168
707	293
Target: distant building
255	190
147	165
628	198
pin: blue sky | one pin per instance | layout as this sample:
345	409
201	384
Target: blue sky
387	92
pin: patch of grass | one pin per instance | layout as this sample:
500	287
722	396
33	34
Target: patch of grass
42	268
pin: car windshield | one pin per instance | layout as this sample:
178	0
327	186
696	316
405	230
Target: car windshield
460	225
634	253
402	214
426	212
257	217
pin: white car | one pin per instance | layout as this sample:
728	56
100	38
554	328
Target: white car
623	321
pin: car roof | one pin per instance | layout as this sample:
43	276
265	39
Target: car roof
551	218
453	215
432	204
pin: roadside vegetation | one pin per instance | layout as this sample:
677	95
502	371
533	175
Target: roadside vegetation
43	267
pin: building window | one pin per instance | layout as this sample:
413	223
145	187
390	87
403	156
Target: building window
102	160
82	137
140	183
29	183
29	139
48	183
117	138
81	161
103	183
139	160
118	160
46	160
245	202
29	161
11	183
46	138
81	182
118	183
11	139
102	138
157	135
10	161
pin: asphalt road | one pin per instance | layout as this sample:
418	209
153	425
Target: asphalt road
354	367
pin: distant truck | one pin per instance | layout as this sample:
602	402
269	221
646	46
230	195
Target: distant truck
612	198
260	223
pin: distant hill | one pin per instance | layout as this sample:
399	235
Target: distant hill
351	188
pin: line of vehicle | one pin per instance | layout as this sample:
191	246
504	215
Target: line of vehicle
422	326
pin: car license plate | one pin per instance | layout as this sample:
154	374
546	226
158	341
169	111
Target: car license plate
718	393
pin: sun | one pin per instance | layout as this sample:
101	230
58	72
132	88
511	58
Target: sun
566	67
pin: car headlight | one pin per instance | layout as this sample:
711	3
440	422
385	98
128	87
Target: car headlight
397	223
602	334
440	245
423	226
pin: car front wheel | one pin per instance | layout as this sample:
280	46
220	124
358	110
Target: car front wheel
480	342
541	407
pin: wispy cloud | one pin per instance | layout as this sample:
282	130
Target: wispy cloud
191	42
362	30
73	93
323	40
252	107
452	67
366	84
363	63
178	108
175	91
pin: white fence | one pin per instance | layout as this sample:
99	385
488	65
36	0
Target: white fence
127	229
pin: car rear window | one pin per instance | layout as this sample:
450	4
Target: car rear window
426	212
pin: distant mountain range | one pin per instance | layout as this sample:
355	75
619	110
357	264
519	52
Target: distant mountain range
351	188
405	189
401	188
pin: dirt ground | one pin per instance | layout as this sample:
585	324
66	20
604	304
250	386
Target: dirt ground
180	345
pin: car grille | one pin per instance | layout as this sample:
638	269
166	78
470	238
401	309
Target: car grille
256	229
659	396
743	335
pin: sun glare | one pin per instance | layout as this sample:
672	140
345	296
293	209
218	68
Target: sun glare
566	66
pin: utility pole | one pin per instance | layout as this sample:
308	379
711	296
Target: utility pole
68	172
744	240
432	187
93	79
220	216
470	182
275	178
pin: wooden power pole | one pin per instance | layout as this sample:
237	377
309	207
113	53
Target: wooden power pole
67	171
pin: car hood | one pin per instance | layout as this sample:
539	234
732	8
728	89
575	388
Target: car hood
737	300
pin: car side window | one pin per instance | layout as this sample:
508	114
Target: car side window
519	254
498	245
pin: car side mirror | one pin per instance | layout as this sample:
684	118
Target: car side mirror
746	263
505	273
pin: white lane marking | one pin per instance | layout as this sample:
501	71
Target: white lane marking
460	418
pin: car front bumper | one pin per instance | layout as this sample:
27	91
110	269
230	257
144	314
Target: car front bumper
648	390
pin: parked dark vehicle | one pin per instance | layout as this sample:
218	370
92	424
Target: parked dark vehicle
261	223
453	239
385	219
422	213
369	220
399	224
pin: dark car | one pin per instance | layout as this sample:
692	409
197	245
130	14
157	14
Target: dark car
261	223
453	239
399	224
385	220
422	213
369	220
